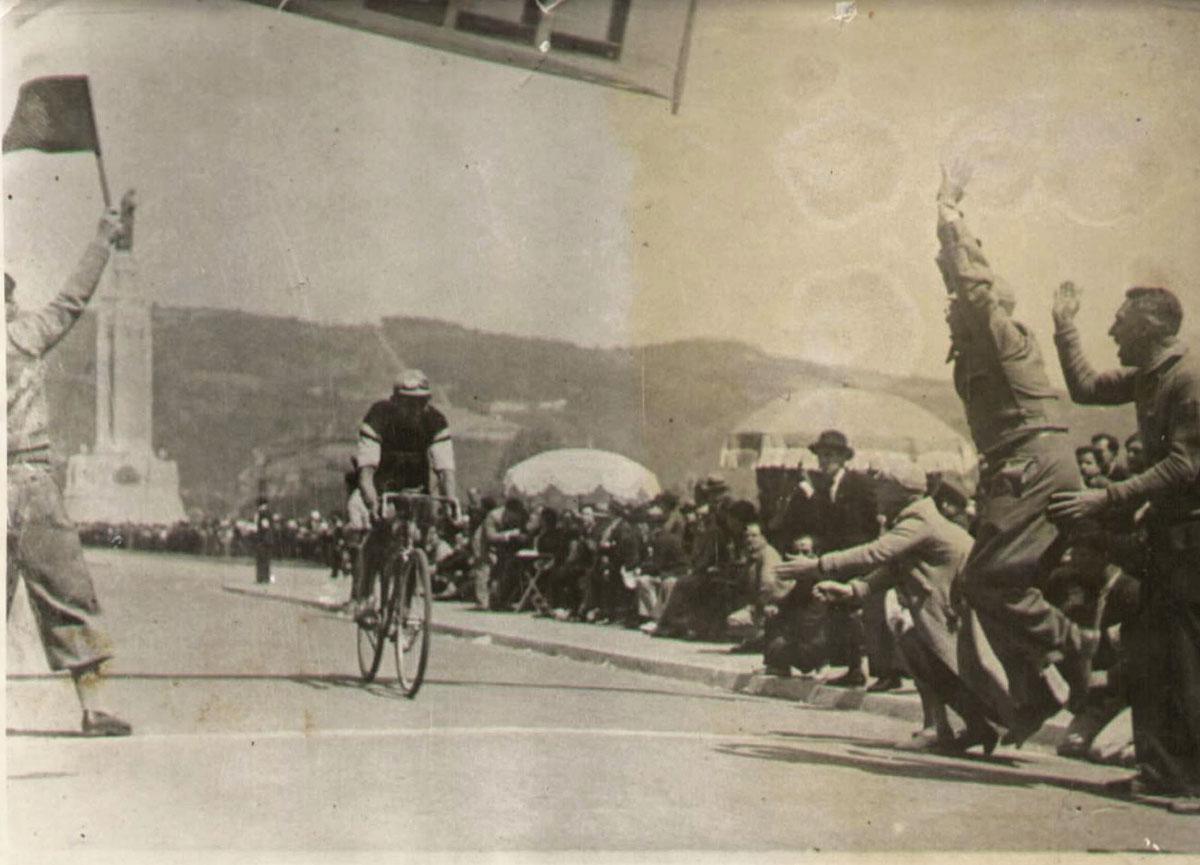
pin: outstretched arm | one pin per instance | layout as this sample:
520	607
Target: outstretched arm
871	558
1085	385
36	332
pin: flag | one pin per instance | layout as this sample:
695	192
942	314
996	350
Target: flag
53	115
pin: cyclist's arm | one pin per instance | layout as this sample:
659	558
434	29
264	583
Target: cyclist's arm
441	460
370	452
366	485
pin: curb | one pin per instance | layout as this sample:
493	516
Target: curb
807	691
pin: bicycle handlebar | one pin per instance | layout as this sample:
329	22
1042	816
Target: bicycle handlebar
422	497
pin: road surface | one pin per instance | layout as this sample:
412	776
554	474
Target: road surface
253	733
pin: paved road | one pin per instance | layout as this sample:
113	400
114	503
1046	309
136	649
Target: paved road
253	733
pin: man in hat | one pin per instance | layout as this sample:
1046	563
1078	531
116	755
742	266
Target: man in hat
1026	457
43	545
1162	642
838	508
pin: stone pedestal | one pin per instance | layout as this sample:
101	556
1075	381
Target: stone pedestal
136	487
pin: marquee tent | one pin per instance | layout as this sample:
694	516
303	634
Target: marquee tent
581	474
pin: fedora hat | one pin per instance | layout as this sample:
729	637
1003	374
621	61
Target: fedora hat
832	440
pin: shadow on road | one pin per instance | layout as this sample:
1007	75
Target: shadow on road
897	764
383	686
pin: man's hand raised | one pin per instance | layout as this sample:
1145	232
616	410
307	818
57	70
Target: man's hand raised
955	177
110	227
1066	304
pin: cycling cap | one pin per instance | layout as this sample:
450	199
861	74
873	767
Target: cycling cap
412	382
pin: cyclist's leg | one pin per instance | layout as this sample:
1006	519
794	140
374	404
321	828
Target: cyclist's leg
368	559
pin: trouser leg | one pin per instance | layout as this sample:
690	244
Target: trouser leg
1162	651
44	549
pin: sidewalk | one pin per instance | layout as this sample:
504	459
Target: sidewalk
709	663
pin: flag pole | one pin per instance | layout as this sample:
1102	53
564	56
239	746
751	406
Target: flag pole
96	137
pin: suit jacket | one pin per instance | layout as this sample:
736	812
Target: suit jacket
846	519
920	555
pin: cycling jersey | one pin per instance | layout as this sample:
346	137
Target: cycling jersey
403	446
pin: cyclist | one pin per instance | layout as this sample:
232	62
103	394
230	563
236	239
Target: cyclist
400	442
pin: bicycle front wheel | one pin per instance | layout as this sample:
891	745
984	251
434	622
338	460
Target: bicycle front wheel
414	616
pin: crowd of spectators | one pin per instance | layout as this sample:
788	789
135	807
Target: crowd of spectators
706	567
314	538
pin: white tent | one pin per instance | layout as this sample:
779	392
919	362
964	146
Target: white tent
582	473
880	427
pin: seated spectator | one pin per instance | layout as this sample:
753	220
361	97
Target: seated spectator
1109	450
1087	457
715	585
610	594
665	564
798	631
1093	591
1135	454
749	622
499	537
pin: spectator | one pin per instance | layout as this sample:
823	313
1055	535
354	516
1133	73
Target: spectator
954	502
767	590
1108	449
1162	642
1135	454
665	564
920	555
1087	457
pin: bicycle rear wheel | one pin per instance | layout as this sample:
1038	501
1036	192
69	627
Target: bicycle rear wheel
372	637
414	617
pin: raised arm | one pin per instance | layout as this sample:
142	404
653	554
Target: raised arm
969	277
1085	385
38	331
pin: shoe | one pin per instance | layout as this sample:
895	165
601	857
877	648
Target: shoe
849	679
885	683
1140	784
1185	805
650	628
926	741
366	617
1073	746
985	736
97	723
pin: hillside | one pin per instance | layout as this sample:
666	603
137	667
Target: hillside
228	383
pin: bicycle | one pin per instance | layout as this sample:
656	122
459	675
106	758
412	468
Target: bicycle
401	597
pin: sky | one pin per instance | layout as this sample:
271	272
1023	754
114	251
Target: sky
292	167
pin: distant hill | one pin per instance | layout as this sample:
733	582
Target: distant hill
229	383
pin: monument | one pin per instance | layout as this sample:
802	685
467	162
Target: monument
121	479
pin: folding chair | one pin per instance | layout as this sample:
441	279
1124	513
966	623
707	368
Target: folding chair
534	566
